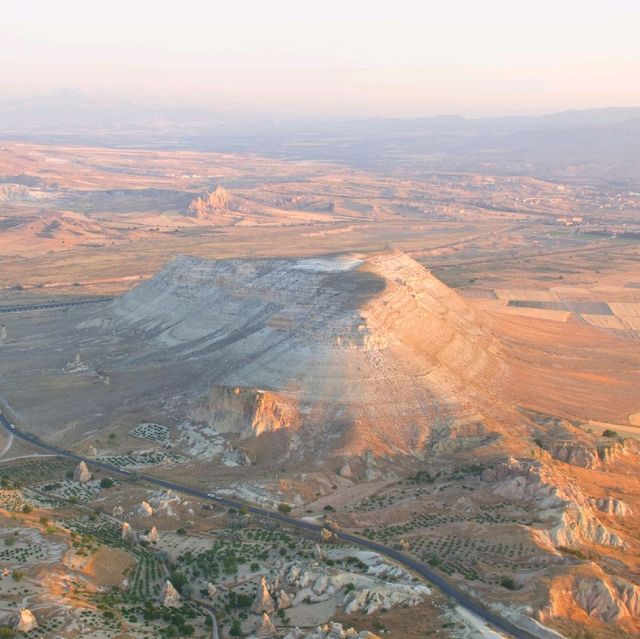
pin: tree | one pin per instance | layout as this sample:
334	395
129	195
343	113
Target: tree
284	508
609	433
26	509
236	629
106	482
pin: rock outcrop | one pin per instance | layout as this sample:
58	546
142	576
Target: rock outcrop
128	534
212	591
567	512
117	511
152	536
211	204
611	600
264	627
25	621
312	582
170	596
144	509
331	631
263	601
612	506
82	473
283	600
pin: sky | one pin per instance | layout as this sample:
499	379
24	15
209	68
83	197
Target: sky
331	58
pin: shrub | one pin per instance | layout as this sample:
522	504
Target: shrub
508	583
609	433
284	508
26	509
106	482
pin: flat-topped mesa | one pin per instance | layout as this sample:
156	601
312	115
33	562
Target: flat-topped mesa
350	352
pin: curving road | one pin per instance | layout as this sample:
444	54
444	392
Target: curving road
461	598
48	305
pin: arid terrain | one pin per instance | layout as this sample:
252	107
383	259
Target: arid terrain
442	360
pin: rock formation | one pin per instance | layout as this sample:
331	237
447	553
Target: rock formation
313	345
212	591
211	204
368	594
283	600
128	534
263	601
264	627
152	536
568	513
345	471
144	509
170	596
81	473
331	631
25	621
612	506
117	511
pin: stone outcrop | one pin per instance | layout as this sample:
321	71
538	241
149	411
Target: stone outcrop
611	600
612	506
25	621
210	204
152	536
331	631
568	513
128	534
264	627
345	471
117	511
170	596
212	591
81	473
263	601
576	454
312	582
144	509
283	600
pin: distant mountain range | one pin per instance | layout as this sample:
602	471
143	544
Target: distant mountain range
595	142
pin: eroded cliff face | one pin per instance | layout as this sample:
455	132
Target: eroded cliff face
569	517
587	595
247	412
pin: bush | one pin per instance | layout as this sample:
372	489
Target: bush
26	509
609	433
106	482
236	629
508	583
284	508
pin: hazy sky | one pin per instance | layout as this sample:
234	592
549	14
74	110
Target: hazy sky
475	57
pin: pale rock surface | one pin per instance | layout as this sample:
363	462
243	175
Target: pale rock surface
211	590
144	509
264	627
25	621
315	583
117	511
283	600
331	631
612	506
128	534
571	521
263	601
170	596
82	473
345	471
153	536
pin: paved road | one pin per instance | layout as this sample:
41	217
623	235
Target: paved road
462	598
47	305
